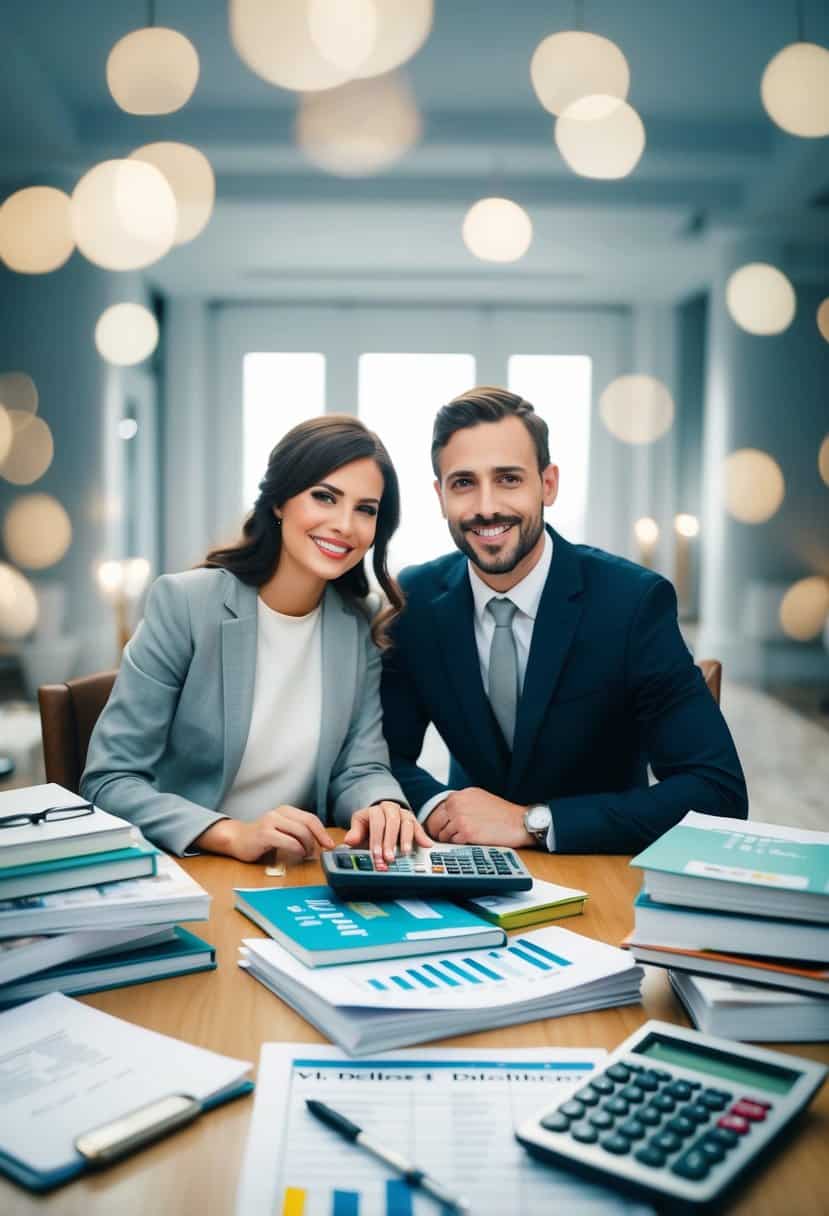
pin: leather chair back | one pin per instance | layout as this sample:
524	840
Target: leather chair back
68	713
712	674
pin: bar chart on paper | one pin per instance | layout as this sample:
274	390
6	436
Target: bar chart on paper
450	1113
522	960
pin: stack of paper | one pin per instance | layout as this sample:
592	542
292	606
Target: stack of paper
378	1006
62	880
731	900
545	901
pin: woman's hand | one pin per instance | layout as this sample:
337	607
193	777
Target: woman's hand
382	825
287	828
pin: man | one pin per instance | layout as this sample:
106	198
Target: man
555	673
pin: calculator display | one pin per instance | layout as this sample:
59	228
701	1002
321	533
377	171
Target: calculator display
748	1074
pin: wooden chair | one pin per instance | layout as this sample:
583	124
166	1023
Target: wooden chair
68	713
712	674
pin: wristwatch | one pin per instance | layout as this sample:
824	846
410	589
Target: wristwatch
538	820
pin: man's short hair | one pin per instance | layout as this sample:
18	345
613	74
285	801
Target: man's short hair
487	403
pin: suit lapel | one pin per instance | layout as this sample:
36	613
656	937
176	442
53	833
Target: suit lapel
339	668
238	673
454	611
559	613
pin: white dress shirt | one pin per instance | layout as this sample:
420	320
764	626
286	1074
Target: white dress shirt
526	596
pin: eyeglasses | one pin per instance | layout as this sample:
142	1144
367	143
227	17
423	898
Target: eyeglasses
52	814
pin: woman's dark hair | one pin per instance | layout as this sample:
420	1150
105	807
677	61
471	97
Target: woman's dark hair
488	404
302	458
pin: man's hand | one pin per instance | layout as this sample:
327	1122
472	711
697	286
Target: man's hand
382	825
294	832
473	816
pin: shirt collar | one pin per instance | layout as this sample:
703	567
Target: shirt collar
526	595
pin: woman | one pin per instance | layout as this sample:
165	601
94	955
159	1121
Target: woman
248	697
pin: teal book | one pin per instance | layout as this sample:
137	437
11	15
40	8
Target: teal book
734	865
319	929
178	953
88	870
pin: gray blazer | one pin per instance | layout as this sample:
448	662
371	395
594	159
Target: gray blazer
167	747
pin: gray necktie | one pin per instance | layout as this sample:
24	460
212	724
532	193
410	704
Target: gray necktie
503	667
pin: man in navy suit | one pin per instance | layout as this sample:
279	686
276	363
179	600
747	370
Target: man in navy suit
555	673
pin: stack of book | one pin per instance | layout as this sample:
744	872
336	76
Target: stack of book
376	976
85	902
739	913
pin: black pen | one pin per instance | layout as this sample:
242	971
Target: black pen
409	1172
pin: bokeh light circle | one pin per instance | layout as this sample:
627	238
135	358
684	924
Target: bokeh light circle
823	319
126	334
36	531
637	409
36	230
823	460
754	485
760	299
30	453
152	71
497	230
360	128
646	530
569	66
18	604
795	89
6	433
191	179
18	393
343	31
124	214
804	608
275	42
607	147
402	28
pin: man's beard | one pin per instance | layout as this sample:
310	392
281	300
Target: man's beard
529	532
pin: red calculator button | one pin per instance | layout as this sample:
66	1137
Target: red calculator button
749	1110
757	1102
734	1123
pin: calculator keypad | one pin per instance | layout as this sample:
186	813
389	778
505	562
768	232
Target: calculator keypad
664	1121
489	862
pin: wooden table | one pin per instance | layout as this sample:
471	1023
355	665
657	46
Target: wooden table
196	1170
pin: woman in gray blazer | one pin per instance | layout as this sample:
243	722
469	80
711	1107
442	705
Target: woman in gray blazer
246	712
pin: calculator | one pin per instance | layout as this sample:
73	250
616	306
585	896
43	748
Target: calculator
675	1115
436	873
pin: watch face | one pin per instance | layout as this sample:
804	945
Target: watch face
538	818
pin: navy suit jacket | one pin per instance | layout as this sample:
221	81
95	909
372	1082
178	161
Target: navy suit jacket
610	687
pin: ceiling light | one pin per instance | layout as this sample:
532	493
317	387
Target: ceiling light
30	453
760	299
795	89
360	128
190	176
152	71
126	334
35	230
804	608
569	66
637	409
600	137
754	485
18	604
275	42
124	214
36	531
497	230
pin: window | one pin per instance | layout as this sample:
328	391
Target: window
559	388
279	390
399	395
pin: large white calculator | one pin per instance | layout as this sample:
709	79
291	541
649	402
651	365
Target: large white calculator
675	1115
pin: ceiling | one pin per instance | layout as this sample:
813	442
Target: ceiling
714	164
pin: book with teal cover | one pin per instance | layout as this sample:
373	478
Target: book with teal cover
183	954
740	866
319	929
89	869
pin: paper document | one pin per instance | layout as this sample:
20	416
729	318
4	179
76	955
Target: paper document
452	1113
66	1068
